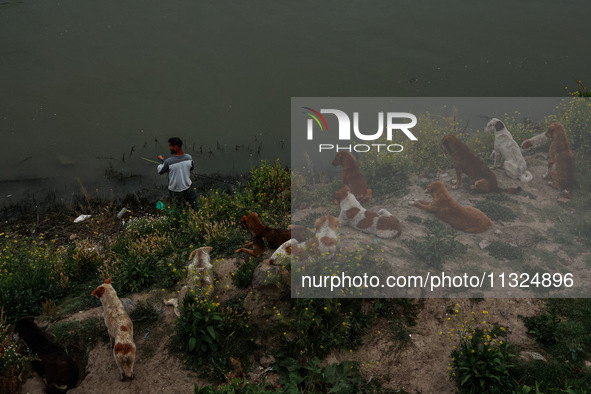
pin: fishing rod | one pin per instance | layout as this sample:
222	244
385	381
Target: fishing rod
203	176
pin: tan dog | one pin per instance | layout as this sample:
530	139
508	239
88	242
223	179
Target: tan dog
199	273
382	223
468	219
464	160
120	328
352	176
561	161
534	142
507	149
274	237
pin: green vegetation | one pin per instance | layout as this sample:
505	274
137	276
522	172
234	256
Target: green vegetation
438	245
151	252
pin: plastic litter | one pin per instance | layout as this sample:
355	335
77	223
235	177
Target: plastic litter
121	213
81	218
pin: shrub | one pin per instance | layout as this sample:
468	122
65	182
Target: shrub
482	360
30	273
323	324
243	276
209	333
14	358
544	327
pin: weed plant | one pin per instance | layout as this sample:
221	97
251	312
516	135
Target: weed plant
492	207
208	334
438	245
320	325
243	276
482	359
15	359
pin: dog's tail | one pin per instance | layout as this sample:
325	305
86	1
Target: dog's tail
511	190
526	176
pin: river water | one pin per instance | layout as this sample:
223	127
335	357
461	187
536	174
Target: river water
89	88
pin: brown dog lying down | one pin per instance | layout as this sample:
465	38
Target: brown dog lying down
561	161
466	161
120	328
275	237
468	219
56	368
352	176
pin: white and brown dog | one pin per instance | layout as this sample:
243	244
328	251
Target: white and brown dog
382	223
199	274
533	143
505	146
323	244
120	328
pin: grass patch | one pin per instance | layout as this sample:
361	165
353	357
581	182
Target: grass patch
493	208
502	250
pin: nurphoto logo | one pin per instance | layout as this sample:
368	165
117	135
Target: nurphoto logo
393	121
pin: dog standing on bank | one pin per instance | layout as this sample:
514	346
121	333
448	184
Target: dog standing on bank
120	328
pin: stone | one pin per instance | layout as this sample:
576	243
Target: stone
128	305
267	361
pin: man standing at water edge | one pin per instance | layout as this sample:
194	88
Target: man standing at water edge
179	167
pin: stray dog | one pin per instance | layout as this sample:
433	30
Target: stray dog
324	243
352	176
468	219
199	272
57	369
464	160
283	252
561	161
383	224
274	237
120	328
534	142
514	164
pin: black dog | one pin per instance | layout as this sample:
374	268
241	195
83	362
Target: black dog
56	368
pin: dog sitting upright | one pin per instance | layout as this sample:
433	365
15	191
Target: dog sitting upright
382	223
468	219
120	328
464	160
199	273
57	369
506	148
275	237
561	161
352	176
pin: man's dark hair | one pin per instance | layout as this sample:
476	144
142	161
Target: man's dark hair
174	141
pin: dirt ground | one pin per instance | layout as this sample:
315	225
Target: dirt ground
419	367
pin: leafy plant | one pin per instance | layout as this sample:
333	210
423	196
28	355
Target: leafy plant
243	276
544	327
311	377
438	245
483	360
209	333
